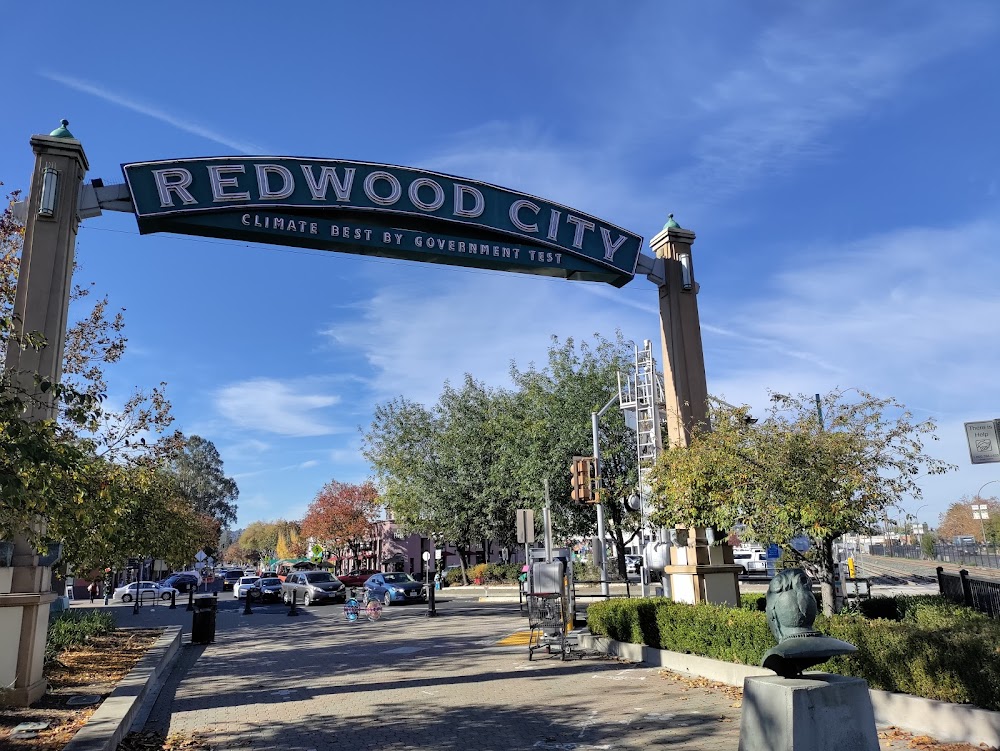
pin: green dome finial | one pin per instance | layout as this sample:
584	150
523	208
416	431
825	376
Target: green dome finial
671	224
61	131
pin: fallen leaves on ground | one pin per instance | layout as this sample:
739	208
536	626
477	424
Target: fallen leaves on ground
151	741
92	668
925	743
691	681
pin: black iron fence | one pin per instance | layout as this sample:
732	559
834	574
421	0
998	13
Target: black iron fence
987	556
962	589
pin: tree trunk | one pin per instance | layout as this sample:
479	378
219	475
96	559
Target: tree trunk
462	553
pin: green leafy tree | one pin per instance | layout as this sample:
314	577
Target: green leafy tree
260	539
927	542
793	475
198	468
558	400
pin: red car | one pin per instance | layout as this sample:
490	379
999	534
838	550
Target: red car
356	578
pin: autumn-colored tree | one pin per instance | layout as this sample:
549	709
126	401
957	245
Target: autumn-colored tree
958	521
290	542
343	515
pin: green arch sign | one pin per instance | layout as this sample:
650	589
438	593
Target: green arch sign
380	210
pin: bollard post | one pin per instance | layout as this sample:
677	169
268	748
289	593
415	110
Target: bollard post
966	587
246	606
173	601
431	610
940	579
292	610
190	606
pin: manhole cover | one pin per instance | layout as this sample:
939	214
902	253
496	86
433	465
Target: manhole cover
82	701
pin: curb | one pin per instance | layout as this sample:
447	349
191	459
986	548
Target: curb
132	699
959	723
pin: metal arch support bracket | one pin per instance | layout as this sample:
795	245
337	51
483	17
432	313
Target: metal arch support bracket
654	269
95	198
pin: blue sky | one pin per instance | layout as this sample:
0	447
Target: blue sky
838	161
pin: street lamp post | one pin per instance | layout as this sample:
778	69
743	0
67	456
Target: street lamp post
981	511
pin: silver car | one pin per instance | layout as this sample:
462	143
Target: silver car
309	587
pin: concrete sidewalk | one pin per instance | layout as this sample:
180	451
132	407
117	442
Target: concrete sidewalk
412	682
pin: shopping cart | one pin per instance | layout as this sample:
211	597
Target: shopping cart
547	621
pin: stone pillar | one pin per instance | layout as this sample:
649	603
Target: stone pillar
684	383
40	305
698	571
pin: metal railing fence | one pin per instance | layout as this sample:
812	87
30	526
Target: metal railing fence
981	594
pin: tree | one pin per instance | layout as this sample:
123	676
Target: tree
927	541
792	474
260	539
557	404
343	515
290	542
958	520
198	468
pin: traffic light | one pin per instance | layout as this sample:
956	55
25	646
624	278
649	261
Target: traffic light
584	480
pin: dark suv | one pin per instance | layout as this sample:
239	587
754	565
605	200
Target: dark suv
312	586
231	577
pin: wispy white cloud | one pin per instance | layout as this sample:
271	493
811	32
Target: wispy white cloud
282	407
153	111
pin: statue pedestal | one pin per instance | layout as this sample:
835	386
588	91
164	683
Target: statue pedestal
700	572
817	712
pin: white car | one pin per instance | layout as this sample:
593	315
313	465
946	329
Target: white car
243	586
147	591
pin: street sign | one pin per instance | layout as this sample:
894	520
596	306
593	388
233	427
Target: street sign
984	445
525	526
980	511
379	210
801	543
773	552
200	555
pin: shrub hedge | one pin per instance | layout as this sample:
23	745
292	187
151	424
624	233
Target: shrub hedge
71	628
925	646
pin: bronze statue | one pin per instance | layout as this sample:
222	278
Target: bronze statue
791	611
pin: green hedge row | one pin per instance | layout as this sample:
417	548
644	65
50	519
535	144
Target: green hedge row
71	628
926	646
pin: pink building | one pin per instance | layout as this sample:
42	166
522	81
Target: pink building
391	550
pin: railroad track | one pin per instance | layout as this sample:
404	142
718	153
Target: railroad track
908	571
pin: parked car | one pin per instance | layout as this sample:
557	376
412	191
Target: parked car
182	582
147	591
266	589
356	578
230	578
244	585
632	564
753	560
394	587
312	586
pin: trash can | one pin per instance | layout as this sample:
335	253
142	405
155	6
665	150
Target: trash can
203	620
